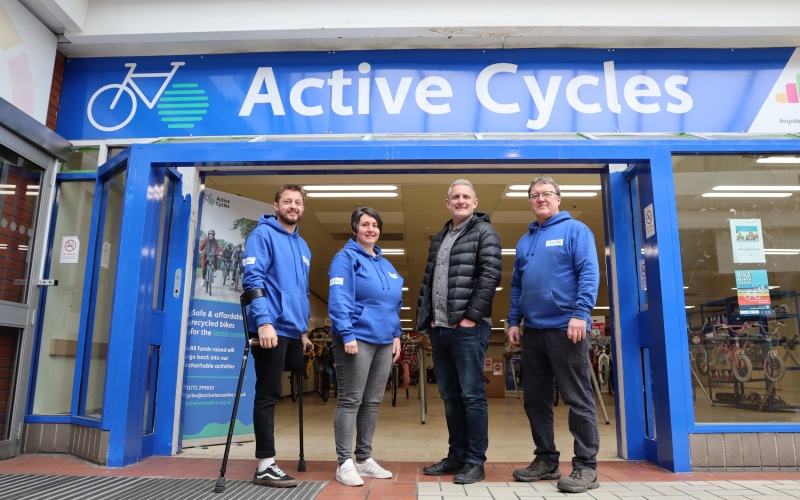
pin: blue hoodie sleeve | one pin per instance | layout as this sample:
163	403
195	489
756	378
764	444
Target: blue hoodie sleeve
342	296
257	258
588	271
514	314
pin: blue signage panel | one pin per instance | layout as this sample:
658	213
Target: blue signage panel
442	91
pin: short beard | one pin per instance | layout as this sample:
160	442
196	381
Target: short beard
288	222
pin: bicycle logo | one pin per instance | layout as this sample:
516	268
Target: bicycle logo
131	89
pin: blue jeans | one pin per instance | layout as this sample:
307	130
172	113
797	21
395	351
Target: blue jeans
548	356
362	383
458	356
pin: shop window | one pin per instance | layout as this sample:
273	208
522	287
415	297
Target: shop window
740	252
105	268
61	308
20	182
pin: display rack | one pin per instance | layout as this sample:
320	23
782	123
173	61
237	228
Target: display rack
726	312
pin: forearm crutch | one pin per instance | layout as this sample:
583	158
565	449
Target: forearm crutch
245	299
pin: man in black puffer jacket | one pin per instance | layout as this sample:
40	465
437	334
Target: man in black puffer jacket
455	305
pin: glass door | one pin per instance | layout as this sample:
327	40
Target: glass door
21	181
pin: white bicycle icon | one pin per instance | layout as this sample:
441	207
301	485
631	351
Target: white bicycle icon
127	84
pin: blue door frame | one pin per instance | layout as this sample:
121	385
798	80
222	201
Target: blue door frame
666	314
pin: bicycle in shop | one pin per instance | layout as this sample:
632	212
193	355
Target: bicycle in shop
601	358
729	352
325	372
128	88
763	351
698	356
394	380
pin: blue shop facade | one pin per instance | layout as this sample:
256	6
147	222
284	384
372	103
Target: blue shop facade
697	154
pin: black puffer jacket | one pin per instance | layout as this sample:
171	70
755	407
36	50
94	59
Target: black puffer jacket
475	265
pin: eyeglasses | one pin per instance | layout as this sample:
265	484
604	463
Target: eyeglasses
546	195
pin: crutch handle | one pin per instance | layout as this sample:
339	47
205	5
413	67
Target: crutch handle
250	295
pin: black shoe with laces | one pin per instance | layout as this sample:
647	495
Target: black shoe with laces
274	476
471	473
538	470
445	466
579	481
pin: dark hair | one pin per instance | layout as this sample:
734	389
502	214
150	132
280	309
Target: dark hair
545	180
358	212
211	231
289	187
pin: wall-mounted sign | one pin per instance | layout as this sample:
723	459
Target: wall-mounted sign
70	250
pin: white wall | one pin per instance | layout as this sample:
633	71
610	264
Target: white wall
27	54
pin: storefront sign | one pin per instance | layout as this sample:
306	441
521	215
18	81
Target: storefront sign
426	91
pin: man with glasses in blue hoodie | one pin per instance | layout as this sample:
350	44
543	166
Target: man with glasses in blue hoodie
278	261
554	288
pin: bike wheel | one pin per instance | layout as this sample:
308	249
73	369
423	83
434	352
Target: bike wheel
394	381
224	275
90	111
406	377
294	384
236	281
774	368
603	367
742	368
701	362
209	278
324	385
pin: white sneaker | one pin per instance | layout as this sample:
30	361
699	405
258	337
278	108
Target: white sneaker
348	475
370	468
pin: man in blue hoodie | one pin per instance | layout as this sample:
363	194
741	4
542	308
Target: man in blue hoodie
554	288
276	260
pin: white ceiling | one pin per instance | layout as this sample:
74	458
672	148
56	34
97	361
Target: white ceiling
114	28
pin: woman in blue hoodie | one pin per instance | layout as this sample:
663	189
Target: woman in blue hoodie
364	306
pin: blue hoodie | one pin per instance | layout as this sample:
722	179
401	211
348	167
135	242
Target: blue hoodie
278	262
556	274
365	296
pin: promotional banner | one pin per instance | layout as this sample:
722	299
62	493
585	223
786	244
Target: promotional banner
752	291
216	337
433	91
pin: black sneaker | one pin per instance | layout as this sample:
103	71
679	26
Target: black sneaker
471	473
579	481
538	470
445	466
274	476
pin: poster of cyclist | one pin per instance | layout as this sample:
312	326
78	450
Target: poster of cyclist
752	290
748	241
215	337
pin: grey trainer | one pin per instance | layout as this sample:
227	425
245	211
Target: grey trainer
538	470
579	481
